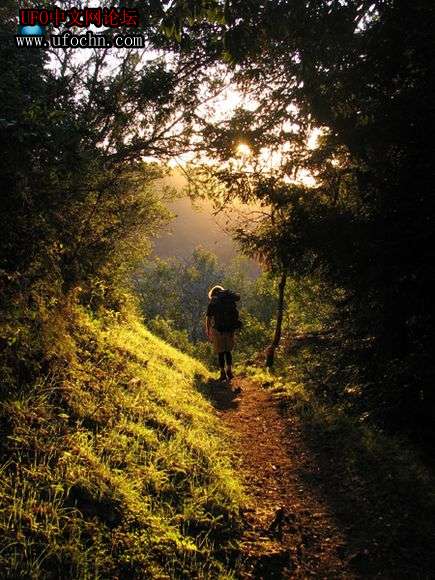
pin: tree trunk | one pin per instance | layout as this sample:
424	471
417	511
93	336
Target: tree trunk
270	351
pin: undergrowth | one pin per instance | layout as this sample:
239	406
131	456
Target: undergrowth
115	466
379	484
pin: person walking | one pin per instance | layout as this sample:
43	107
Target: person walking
222	320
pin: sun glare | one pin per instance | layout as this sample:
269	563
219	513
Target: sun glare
243	149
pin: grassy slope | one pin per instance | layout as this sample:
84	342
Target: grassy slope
117	466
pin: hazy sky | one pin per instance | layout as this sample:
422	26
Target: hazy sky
193	227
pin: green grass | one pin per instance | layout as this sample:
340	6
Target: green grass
115	466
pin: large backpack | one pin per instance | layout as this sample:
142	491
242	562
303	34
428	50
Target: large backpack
225	313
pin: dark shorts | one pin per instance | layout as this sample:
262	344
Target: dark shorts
222	341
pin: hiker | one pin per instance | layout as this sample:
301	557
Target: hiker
222	321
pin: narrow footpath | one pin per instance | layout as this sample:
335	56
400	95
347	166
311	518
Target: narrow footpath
290	531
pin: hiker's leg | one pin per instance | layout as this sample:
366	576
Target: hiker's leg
221	359
229	361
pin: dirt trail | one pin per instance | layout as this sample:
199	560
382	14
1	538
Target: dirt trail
290	530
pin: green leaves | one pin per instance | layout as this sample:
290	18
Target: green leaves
182	13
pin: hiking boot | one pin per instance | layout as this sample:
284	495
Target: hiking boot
222	376
229	373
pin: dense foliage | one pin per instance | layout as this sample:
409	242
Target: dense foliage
347	223
83	419
79	201
361	73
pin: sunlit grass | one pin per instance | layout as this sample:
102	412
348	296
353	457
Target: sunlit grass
118	468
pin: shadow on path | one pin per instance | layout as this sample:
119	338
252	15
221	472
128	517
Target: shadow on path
312	513
289	531
223	396
370	490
